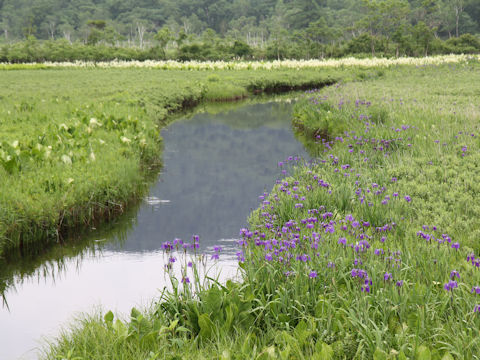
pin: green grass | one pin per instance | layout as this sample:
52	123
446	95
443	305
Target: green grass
442	104
287	307
78	144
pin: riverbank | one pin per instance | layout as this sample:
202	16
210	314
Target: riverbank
79	144
371	252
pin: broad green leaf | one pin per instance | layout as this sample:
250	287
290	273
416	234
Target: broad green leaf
423	353
206	326
323	351
229	317
379	355
301	331
134	313
108	317
177	341
285	353
225	355
10	165
66	159
213	301
267	353
120	328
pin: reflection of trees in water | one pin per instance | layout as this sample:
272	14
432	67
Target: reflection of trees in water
312	146
53	261
254	113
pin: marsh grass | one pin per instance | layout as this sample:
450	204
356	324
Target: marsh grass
372	251
79	144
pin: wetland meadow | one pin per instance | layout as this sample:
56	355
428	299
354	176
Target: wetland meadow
362	240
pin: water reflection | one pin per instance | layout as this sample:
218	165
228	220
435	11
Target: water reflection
216	164
54	261
215	168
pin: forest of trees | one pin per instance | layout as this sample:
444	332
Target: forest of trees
35	30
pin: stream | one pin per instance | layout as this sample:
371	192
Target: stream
216	164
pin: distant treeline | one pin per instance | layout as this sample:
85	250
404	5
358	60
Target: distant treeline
33	50
59	30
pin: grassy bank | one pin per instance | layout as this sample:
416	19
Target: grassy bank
78	143
370	252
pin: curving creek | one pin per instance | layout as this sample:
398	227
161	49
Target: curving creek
216	164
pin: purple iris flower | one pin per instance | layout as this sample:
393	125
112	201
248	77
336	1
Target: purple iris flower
303	258
330	229
454	274
240	256
366	288
450	285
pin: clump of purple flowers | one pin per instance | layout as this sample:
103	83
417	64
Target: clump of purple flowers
450	285
216	254
454	274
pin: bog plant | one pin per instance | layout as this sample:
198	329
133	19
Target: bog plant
369	251
252	65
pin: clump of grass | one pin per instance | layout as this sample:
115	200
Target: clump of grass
225	91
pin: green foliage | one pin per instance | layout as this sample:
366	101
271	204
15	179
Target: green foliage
417	141
69	161
241	49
